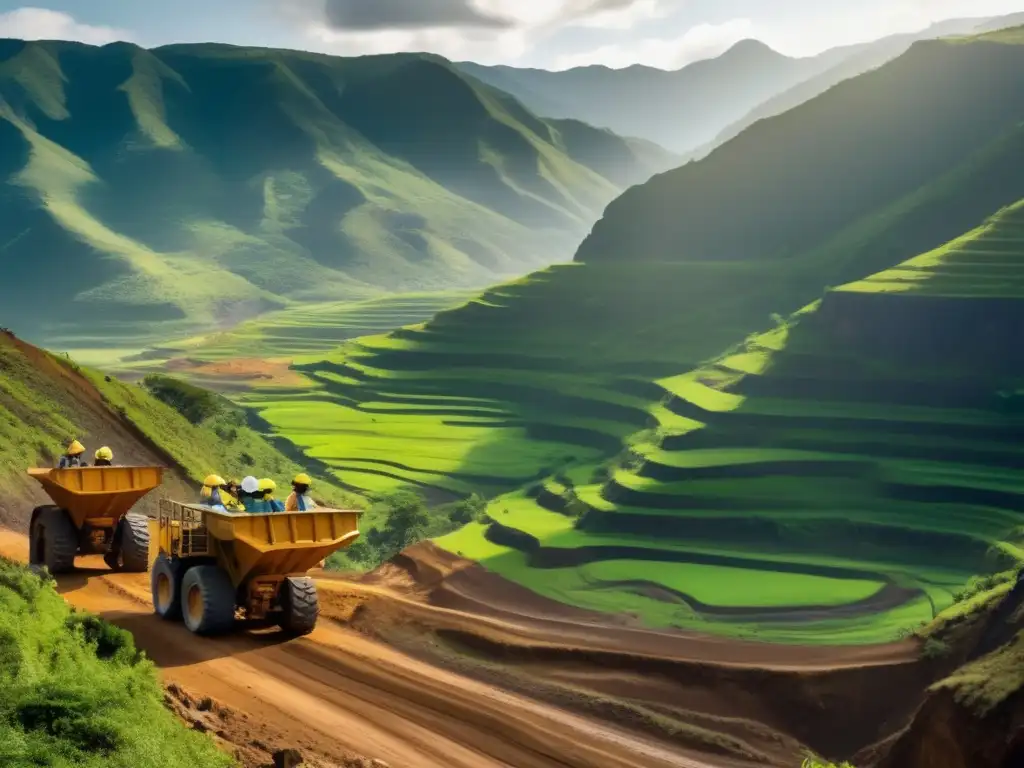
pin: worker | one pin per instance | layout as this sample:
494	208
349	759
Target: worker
104	457
299	499
210	494
267	488
72	456
250	487
234	488
229	497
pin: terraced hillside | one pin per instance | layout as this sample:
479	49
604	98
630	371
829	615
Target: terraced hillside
154	194
261	349
548	372
864	456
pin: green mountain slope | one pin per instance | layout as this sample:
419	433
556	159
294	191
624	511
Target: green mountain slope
870	446
681	110
168	191
45	399
542	375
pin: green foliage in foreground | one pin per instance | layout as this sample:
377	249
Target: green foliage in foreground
813	762
76	692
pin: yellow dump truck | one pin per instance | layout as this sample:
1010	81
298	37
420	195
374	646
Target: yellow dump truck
208	566
90	516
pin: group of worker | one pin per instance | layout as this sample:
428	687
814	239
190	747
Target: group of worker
249	495
74	453
252	495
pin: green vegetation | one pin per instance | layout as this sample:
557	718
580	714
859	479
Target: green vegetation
44	399
863	440
814	762
984	684
77	693
220	441
164	193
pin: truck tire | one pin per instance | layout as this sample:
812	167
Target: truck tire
300	606
134	553
165	583
53	540
207	600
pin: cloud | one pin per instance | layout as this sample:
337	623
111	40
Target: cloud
402	14
486	31
704	41
44	24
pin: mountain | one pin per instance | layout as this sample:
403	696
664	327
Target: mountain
545	375
681	110
159	192
853	61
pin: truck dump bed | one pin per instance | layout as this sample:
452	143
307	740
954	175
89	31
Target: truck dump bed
253	545
98	495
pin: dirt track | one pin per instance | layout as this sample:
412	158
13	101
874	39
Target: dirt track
338	692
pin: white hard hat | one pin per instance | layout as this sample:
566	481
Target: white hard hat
250	484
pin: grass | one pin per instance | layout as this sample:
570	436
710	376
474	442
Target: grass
78	693
45	399
656	384
797	468
218	183
983	685
220	442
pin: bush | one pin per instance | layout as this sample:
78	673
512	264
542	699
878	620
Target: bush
77	693
194	403
979	584
934	649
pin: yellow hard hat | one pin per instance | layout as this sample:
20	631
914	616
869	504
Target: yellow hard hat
268	485
75	448
302	479
213	481
105	453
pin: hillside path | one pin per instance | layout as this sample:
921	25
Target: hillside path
337	691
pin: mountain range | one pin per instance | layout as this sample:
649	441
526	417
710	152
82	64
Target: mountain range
693	109
151	192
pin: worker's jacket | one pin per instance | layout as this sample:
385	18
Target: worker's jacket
275	505
69	462
257	506
298	503
231	504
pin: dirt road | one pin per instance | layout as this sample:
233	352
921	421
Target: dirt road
338	692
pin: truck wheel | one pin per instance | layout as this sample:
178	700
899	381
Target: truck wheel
134	553
300	605
165	583
53	540
207	600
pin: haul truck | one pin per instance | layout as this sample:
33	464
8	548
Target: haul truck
208	566
90	516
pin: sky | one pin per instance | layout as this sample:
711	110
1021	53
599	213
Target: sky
553	34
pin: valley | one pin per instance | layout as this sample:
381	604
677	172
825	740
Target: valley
668	457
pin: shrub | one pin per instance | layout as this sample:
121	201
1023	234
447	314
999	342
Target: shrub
934	649
75	692
194	403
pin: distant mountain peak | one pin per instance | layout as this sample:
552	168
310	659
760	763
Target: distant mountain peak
750	47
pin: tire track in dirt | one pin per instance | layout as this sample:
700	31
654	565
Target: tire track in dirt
340	692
